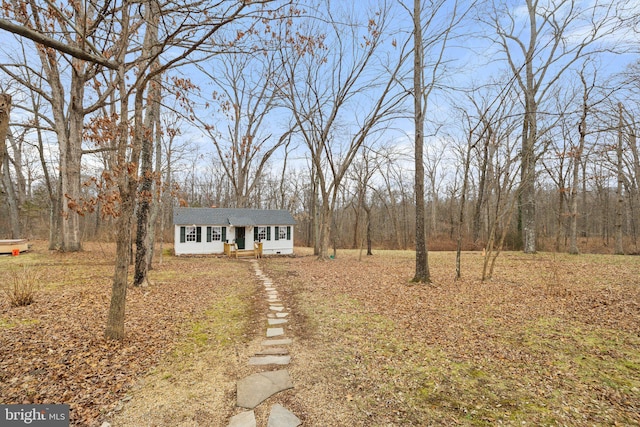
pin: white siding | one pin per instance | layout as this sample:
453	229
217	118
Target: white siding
269	247
277	247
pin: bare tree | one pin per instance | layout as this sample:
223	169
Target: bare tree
491	111
432	30
577	155
362	175
502	196
330	78
422	254
198	24
538	50
394	195
79	28
245	93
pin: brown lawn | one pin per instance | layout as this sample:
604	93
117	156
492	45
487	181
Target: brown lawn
551	340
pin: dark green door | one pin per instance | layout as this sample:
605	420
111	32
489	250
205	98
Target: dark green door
240	237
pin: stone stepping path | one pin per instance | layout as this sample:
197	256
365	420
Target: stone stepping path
284	341
281	416
256	388
274	332
272	350
269	360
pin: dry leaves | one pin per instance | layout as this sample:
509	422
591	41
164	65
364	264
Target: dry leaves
551	340
53	351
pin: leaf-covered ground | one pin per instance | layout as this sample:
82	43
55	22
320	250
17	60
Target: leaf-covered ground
53	351
551	340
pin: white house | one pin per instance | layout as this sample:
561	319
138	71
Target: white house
205	230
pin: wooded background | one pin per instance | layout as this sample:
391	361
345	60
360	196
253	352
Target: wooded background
307	106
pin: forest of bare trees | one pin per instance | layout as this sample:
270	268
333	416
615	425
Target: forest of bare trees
525	114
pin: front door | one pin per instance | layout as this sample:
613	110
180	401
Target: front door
240	237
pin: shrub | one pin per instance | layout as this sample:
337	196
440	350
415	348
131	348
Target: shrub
21	287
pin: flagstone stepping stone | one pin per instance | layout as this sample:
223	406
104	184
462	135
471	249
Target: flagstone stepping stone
243	419
277	321
282	417
282	315
276	307
281	341
270	360
274	332
272	350
254	389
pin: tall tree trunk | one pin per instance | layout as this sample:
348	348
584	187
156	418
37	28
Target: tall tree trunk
115	321
577	161
144	207
315	214
619	249
422	263
573	203
324	226
156	207
584	224
70	163
127	186
527	192
146	129
12	200
5	112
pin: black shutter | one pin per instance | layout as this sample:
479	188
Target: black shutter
208	234
277	230
288	232
255	234
224	234
268	233
183	235
198	234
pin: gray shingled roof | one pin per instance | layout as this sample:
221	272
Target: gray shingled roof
228	216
